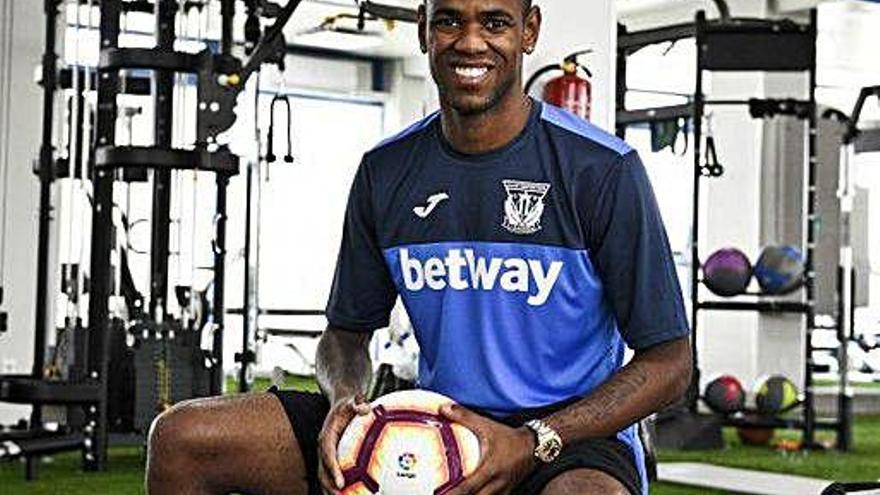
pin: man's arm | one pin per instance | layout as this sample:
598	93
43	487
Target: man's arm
344	371
342	364
654	378
630	250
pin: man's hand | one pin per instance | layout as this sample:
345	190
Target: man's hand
506	454
340	415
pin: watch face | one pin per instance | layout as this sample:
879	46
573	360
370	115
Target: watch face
548	442
550	451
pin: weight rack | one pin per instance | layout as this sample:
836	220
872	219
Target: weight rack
747	45
88	384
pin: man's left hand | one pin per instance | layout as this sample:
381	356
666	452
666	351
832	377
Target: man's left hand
506	454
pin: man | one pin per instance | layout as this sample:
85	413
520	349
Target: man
528	249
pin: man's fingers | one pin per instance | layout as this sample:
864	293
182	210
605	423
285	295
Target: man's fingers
331	465
473	483
361	405
336	423
495	487
339	418
463	488
462	415
326	483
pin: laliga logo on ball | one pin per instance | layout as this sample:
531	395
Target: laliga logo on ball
407	462
406	447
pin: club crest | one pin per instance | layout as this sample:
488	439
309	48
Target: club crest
524	206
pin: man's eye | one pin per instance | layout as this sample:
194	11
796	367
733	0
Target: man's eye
496	24
446	22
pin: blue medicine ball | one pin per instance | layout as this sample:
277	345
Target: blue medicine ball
780	269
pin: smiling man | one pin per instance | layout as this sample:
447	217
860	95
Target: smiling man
528	249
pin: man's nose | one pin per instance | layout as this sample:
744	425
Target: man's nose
472	39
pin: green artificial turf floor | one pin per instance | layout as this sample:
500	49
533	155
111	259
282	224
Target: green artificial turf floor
62	473
860	464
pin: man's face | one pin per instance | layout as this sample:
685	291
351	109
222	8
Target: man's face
475	49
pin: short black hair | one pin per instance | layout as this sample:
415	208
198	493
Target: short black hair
526	4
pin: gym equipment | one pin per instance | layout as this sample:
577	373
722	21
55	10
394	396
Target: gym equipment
711	167
167	366
727	272
762	108
647	433
725	395
780	270
755	435
667	134
687	431
270	154
775	395
854	141
386	382
94	372
744	45
569	91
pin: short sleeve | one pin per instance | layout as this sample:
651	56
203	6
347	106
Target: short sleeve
362	294
630	250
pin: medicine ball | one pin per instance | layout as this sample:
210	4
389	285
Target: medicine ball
775	395
727	272
754	435
780	269
725	395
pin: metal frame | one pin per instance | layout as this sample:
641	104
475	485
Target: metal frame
771	46
45	173
87	386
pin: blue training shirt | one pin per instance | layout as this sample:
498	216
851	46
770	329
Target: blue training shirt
525	271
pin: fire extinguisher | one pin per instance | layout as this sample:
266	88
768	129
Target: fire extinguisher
569	91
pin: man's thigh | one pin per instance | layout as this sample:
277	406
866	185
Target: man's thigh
221	444
584	482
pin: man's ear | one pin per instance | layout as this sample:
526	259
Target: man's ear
423	28
531	28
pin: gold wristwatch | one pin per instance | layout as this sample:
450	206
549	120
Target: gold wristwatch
548	442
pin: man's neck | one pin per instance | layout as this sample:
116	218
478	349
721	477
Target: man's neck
486	131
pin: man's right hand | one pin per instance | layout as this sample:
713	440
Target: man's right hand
340	415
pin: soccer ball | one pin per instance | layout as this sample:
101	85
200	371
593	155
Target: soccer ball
405	447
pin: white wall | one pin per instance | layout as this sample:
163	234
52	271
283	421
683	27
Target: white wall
571	25
21	192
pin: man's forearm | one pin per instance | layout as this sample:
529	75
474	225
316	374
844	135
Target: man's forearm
653	379
342	364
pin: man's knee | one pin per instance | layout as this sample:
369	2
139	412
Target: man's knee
225	444
183	433
585	482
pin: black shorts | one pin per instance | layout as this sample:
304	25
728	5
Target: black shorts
306	412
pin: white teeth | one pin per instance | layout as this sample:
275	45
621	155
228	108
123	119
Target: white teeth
471	72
